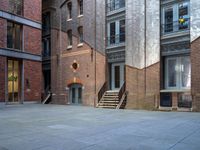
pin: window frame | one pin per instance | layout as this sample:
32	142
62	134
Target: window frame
69	12
80	7
179	71
14	36
69	38
80	35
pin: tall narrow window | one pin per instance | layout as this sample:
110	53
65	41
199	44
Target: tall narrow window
169	20
69	7
16	6
80	32
69	35
46	23
80	4
112	33
14	35
183	16
122	31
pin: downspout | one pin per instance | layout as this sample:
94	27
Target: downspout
95	48
145	34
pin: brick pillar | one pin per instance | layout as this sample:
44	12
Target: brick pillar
174	101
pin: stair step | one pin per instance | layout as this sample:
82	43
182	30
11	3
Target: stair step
108	101
107	107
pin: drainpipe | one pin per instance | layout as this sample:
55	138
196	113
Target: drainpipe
95	47
145	54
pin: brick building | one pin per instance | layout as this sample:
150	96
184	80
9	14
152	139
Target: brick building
74	62
122	53
20	51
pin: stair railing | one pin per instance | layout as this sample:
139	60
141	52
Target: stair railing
122	95
101	92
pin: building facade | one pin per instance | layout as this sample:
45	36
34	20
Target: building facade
20	51
145	52
75	44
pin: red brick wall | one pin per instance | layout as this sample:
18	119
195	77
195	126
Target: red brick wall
32	74
32	40
32	9
3	29
2	79
4	5
143	92
195	56
85	73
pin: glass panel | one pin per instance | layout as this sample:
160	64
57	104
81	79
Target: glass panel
10	79
16	80
122	31
169	20
183	16
112	33
9	34
172	80
81	7
186	72
17	37
79	95
117	76
16	6
69	5
73	95
69	37
122	3
80	30
185	100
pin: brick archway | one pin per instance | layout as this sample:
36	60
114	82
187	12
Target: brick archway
74	81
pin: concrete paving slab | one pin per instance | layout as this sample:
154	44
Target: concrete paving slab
57	127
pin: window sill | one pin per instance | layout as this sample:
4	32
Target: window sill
69	19
69	47
175	90
79	16
80	45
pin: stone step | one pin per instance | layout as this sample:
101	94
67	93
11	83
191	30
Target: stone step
111	107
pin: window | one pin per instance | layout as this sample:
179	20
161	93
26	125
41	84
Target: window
14	35
69	35
115	4
16	6
46	24
112	33
69	6
80	32
116	32
178	73
46	46
122	31
176	17
80	4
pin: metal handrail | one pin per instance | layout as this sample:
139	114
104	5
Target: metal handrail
101	92
176	26
116	39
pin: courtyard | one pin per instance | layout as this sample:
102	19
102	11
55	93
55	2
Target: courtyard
56	127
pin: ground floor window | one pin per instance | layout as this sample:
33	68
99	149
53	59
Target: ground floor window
178	72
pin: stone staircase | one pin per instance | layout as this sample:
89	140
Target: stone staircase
110	100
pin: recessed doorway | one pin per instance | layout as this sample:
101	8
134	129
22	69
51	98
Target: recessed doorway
76	94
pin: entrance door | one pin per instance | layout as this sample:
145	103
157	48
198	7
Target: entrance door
76	94
13	81
117	76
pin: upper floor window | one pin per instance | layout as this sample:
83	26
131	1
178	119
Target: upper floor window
14	35
178	73
16	6
80	32
69	37
116	32
80	6
46	47
115	4
69	7
176	17
46	23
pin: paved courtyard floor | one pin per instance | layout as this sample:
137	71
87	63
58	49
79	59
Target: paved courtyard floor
54	127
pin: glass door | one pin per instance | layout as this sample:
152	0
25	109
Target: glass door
76	94
117	76
13	81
